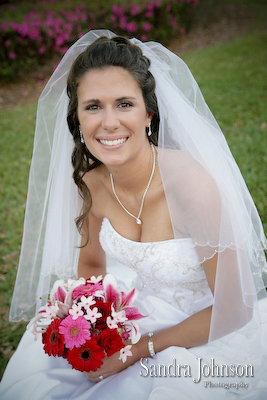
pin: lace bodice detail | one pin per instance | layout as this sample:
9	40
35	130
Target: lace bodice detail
169	269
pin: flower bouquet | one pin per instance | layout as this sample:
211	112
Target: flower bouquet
85	320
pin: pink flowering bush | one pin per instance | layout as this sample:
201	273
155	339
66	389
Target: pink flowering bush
45	33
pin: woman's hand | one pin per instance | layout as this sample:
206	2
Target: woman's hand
112	365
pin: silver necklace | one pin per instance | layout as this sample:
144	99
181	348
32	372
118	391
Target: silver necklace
138	220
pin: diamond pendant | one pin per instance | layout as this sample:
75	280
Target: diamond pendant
138	221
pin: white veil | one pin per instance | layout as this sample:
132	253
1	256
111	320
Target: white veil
201	180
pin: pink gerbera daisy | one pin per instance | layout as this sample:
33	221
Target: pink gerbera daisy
86	290
75	332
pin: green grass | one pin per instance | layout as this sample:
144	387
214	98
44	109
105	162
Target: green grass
233	80
17	130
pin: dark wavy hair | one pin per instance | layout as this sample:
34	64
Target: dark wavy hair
105	52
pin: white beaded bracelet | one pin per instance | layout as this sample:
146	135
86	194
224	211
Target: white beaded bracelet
151	345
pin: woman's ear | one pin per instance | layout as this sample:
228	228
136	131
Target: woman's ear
150	117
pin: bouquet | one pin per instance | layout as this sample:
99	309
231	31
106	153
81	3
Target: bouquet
85	320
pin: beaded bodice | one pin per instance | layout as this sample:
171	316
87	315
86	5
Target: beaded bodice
169	269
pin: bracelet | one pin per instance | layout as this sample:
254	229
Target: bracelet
151	345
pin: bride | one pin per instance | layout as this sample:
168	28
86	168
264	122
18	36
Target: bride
159	201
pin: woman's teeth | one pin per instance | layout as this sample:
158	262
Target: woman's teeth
112	142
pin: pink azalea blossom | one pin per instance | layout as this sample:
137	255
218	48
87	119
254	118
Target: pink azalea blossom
125	352
174	25
123	22
131	27
12	55
146	26
149	13
117	10
135	10
113	19
75	332
41	50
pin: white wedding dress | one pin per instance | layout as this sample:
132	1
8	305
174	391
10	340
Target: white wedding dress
172	286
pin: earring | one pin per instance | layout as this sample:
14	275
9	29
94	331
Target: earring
81	136
149	130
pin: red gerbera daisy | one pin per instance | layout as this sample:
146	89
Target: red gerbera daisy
87	357
53	340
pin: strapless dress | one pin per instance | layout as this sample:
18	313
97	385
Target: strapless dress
171	286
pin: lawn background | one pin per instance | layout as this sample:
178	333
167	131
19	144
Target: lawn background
232	77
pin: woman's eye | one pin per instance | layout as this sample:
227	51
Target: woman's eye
92	107
125	104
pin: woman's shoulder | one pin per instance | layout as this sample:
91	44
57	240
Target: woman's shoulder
97	182
96	177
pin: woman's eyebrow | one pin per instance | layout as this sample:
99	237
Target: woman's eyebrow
126	98
97	101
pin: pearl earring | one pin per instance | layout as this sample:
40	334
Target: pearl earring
81	136
149	129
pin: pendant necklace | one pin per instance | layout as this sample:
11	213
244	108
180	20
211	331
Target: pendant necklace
138	220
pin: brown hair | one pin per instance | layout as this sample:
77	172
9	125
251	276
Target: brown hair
105	52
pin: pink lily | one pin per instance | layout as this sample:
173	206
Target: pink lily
58	291
120	300
112	292
49	313
135	334
35	331
62	295
37	317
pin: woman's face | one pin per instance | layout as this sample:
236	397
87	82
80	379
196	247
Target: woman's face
112	115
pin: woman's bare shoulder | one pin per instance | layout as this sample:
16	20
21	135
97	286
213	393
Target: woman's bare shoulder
97	182
96	178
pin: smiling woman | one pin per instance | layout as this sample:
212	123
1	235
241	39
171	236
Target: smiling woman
112	123
159	201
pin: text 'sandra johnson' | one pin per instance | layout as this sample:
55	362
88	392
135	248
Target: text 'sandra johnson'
203	370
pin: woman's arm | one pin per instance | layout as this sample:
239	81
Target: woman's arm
92	260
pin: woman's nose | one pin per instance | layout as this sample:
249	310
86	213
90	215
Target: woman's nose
110	120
